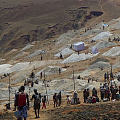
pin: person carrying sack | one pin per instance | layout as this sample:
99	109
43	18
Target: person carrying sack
37	100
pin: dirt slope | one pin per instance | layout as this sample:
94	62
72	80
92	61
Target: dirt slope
28	20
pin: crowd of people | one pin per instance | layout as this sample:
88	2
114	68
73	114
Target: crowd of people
107	93
57	99
90	99
21	103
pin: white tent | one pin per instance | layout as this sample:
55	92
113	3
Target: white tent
94	50
78	46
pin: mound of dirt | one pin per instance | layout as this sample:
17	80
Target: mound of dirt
100	64
115	51
104	44
76	58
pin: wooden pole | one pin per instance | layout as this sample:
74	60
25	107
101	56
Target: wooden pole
111	74
9	91
74	80
45	83
29	90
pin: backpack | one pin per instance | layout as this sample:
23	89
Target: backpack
22	99
37	99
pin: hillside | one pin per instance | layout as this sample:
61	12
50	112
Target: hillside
22	22
43	36
108	111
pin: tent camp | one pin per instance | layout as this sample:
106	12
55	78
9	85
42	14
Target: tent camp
94	50
78	46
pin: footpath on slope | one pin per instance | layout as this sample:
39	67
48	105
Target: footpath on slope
102	110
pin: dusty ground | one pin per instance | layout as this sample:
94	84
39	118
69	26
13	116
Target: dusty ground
99	111
107	111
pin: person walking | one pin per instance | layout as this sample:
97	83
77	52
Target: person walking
37	100
55	100
23	104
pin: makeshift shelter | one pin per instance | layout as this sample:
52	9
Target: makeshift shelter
79	46
105	25
94	50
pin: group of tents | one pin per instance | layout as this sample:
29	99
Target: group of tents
81	46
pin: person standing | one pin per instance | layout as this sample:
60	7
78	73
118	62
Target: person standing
37	100
87	93
94	92
16	99
84	95
41	75
68	99
102	92
55	100
32	84
32	75
23	104
119	89
108	93
59	98
41	58
61	56
44	102
112	92
105	77
59	71
75	96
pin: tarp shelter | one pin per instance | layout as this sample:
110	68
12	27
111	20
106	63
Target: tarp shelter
105	25
78	46
94	50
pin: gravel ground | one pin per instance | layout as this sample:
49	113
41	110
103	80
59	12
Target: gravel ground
104	44
115	51
36	53
64	52
102	36
76	58
100	64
